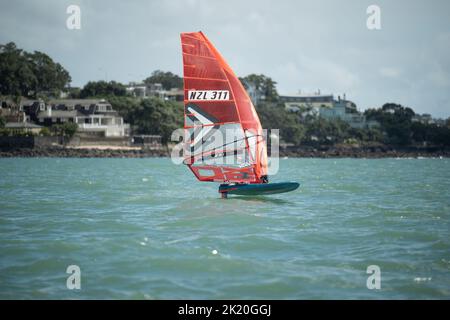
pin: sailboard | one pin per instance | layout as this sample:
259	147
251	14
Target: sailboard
224	139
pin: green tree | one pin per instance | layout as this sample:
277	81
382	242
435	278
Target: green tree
103	89
168	80
67	129
264	84
29	74
395	120
16	75
74	93
124	105
327	131
437	135
155	116
45	132
51	77
274	116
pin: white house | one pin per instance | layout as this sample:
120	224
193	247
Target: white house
91	115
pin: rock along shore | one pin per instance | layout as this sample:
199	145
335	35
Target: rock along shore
81	153
306	152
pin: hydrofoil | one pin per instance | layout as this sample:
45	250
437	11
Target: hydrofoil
255	189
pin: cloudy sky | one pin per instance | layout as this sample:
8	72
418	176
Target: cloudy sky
303	45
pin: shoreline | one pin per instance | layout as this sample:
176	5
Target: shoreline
332	152
82	153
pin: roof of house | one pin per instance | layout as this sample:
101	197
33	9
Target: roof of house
74	102
307	95
59	114
29	102
21	125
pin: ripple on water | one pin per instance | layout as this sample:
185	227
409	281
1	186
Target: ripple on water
146	229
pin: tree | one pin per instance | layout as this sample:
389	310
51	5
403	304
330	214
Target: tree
155	116
103	89
395	120
51	77
265	85
74	92
67	129
327	131
431	133
124	105
366	134
2	122
16	75
276	117
168	80
29	74
45	132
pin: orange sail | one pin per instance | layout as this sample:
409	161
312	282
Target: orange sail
224	137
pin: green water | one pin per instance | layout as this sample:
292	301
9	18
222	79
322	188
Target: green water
146	229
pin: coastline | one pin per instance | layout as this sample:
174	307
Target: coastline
307	152
366	152
82	153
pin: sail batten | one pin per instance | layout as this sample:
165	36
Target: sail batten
207	79
224	137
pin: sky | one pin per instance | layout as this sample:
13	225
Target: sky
303	45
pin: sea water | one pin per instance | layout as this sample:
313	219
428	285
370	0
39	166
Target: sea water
147	229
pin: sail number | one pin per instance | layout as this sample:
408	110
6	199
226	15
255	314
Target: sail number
209	95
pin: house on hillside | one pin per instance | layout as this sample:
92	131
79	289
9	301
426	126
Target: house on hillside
307	104
327	107
93	116
174	94
142	90
11	112
138	90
